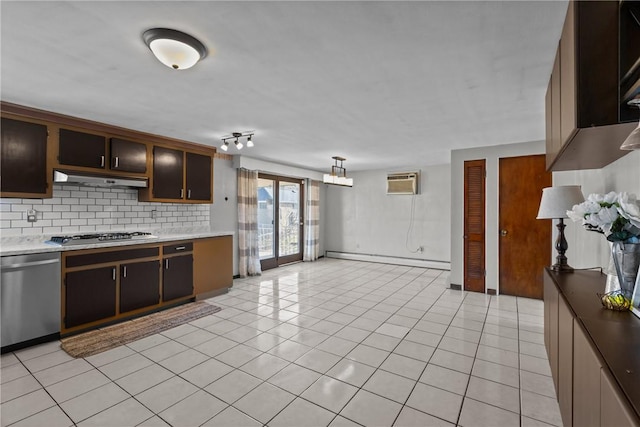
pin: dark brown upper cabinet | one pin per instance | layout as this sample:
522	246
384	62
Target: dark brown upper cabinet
128	156
82	149
199	176
168	173
23	160
585	108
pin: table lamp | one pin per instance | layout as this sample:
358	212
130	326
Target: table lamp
555	203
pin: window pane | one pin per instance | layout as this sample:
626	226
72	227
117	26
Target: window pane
265	218
289	217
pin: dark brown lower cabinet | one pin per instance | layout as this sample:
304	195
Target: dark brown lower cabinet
586	381
90	295
565	361
614	409
177	277
139	285
551	327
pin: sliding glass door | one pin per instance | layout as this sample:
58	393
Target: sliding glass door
280	220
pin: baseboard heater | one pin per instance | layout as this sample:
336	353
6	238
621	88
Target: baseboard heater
383	259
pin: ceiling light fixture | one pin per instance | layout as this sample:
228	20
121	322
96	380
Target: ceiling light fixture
338	174
633	140
238	143
173	48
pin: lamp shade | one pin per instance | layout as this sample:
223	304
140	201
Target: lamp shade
556	201
633	140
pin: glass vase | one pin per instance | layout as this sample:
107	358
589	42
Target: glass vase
626	262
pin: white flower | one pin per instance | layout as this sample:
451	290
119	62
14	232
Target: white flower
605	219
629	208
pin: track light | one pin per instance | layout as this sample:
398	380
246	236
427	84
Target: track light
338	174
236	136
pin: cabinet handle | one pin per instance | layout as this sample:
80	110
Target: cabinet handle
166	264
117	162
188	194
181	193
101	161
124	271
180	248
113	274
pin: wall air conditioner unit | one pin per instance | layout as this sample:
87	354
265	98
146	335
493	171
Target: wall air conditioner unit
402	183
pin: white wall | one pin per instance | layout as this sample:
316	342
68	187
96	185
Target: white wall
492	156
365	220
586	248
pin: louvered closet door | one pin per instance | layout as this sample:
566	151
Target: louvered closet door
474	225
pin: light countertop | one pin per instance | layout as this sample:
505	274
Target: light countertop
24	245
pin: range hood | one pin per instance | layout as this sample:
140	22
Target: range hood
79	178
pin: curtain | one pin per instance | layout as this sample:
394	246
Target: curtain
312	222
248	253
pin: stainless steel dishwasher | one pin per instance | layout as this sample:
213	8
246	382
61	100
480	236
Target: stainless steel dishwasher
29	297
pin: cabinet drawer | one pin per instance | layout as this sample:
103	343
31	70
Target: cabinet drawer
177	248
112	256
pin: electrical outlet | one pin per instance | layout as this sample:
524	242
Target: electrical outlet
421	249
32	215
154	214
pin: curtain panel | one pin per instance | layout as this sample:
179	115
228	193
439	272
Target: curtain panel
248	253
312	222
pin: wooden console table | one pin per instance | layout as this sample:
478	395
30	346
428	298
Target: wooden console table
594	353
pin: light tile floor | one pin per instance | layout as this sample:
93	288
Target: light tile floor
330	343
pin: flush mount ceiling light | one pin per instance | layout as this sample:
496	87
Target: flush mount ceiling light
237	142
173	48
338	174
633	140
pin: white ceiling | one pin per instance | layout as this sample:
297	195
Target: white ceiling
385	84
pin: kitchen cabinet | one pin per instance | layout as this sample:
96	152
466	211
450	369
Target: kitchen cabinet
199	175
82	149
179	176
177	277
23	159
585	90
212	266
597	373
90	295
551	327
139	285
128	156
167	173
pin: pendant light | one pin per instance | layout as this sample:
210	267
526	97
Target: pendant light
173	48
236	137
338	174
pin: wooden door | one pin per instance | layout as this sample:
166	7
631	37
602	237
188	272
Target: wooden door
23	158
139	285
167	173
82	149
177	277
128	156
89	295
525	242
199	176
474	225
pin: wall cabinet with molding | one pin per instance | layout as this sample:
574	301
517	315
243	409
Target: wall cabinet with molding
67	143
584	117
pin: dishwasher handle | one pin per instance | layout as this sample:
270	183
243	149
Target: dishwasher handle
30	264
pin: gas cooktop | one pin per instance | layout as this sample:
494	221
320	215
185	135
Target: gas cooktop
85	239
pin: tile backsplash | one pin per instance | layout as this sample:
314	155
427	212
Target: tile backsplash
74	209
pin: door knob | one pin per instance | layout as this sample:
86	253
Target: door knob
503	232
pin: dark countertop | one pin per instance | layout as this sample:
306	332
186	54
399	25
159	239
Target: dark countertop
616	334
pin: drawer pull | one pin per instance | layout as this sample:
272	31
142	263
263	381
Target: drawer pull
124	271
166	264
180	248
117	162
181	193
188	194
113	274
101	161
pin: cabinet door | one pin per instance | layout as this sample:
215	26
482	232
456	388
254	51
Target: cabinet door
199	177
139	285
23	157
586	380
82	149
128	156
614	407
167	173
551	325
212	264
89	295
177	277
565	361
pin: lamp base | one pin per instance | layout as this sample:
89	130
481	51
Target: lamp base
561	265
562	268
